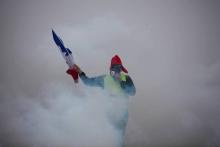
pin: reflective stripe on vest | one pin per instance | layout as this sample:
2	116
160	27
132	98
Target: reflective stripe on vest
113	87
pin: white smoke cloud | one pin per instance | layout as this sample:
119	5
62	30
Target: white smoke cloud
59	117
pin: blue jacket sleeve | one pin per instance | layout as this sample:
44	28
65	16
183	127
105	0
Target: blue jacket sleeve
94	81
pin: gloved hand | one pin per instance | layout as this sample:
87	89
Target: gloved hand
74	71
77	69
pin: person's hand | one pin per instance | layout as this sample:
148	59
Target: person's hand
77	69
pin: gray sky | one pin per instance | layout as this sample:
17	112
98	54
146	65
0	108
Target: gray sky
171	49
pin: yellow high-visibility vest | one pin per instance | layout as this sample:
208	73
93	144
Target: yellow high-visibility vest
113	87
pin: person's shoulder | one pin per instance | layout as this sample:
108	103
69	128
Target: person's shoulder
129	81
128	86
128	77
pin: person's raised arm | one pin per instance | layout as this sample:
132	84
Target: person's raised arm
90	81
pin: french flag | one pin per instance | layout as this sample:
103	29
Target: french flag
67	55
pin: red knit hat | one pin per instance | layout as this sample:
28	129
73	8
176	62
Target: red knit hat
117	61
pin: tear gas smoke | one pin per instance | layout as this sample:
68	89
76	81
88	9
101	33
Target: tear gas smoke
59	117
